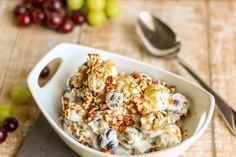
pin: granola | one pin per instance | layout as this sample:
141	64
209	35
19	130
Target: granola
121	113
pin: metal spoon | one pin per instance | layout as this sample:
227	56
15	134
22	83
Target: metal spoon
159	40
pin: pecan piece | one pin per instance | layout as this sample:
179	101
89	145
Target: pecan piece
128	120
135	75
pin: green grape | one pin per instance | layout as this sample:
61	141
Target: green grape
150	93
96	18
75	4
112	8
20	94
84	9
5	112
96	5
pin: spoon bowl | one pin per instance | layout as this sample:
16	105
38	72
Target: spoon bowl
156	36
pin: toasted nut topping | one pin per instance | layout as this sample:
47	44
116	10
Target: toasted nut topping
135	75
128	120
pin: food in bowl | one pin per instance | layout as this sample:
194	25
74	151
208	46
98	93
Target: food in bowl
121	113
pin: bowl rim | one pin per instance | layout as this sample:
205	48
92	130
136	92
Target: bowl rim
60	131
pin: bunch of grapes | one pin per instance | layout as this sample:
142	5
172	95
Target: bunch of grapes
63	15
7	122
20	95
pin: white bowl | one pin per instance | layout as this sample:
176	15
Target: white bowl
48	97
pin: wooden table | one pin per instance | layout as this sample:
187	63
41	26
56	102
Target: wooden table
207	30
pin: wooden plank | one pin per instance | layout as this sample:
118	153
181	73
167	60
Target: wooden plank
31	44
223	62
188	19
116	35
8	36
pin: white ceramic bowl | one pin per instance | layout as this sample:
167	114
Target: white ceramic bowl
72	56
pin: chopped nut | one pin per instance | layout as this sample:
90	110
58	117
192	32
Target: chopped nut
83	127
90	119
140	108
114	121
172	89
154	149
135	75
109	112
80	138
94	57
107	118
128	120
110	83
67	113
133	111
65	102
171	100
120	117
104	150
71	127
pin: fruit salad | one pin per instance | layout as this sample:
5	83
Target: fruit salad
120	113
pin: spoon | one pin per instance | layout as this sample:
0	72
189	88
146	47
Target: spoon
159	40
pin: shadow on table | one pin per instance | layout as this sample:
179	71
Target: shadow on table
44	142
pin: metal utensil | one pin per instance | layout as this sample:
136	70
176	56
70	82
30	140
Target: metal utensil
159	40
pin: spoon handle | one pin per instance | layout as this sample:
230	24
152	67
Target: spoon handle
228	114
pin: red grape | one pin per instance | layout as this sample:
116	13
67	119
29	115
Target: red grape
66	26
28	5
54	20
38	3
61	12
3	134
38	16
78	18
10	124
53	5
19	9
45	72
24	19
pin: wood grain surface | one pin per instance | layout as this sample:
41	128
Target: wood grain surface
207	31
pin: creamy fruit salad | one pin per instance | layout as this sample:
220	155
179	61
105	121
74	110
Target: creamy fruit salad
121	113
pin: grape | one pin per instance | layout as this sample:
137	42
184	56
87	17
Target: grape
10	124
78	18
112	9
44	73
38	3
96	17
62	12
75	4
66	26
19	9
84	9
108	140
53	5
54	20
96	5
20	94
5	112
3	134
24	20
28	5
38	16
